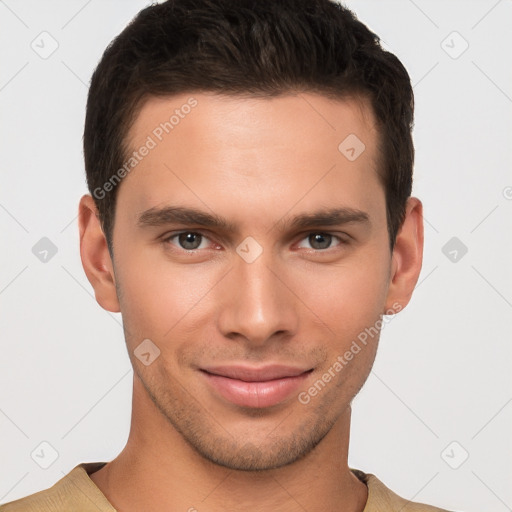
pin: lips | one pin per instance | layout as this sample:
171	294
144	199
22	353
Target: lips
255	387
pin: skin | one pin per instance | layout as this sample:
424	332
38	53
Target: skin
257	162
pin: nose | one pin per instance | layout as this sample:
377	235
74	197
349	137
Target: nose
258	305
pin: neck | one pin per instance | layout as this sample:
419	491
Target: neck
159	470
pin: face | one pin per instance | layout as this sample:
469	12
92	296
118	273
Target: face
252	250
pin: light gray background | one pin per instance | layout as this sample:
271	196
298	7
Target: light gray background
443	371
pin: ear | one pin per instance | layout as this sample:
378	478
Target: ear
407	257
95	255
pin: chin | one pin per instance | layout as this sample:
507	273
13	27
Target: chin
254	444
255	457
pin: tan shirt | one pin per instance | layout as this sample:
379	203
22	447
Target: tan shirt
76	492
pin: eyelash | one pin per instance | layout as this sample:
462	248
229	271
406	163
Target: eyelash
342	241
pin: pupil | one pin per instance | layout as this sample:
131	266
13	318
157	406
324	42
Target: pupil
320	241
190	240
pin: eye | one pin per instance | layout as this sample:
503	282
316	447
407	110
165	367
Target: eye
321	241
188	240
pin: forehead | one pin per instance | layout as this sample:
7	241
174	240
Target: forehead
304	116
259	153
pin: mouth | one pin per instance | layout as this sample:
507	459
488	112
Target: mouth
255	387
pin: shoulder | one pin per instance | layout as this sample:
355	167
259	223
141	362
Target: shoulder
383	499
75	491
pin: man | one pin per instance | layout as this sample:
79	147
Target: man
250	169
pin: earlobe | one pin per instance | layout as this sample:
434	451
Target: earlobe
95	256
407	257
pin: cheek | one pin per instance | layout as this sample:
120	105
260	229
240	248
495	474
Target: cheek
348	300
347	296
158	297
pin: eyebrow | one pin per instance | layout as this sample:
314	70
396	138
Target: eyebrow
327	217
160	216
183	215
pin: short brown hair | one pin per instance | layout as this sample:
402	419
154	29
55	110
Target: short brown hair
247	47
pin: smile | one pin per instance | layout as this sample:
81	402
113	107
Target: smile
255	388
